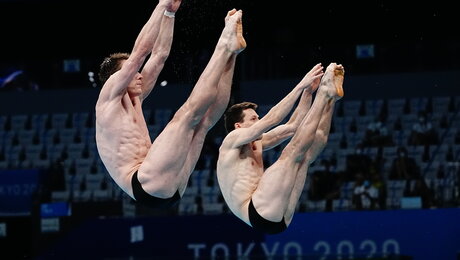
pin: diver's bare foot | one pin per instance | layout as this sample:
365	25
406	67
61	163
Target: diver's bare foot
332	81
239	33
232	35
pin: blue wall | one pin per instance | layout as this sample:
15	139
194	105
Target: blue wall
421	234
443	83
17	190
440	83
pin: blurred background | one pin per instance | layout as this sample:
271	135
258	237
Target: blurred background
385	187
45	37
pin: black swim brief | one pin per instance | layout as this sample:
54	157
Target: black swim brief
261	224
151	201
